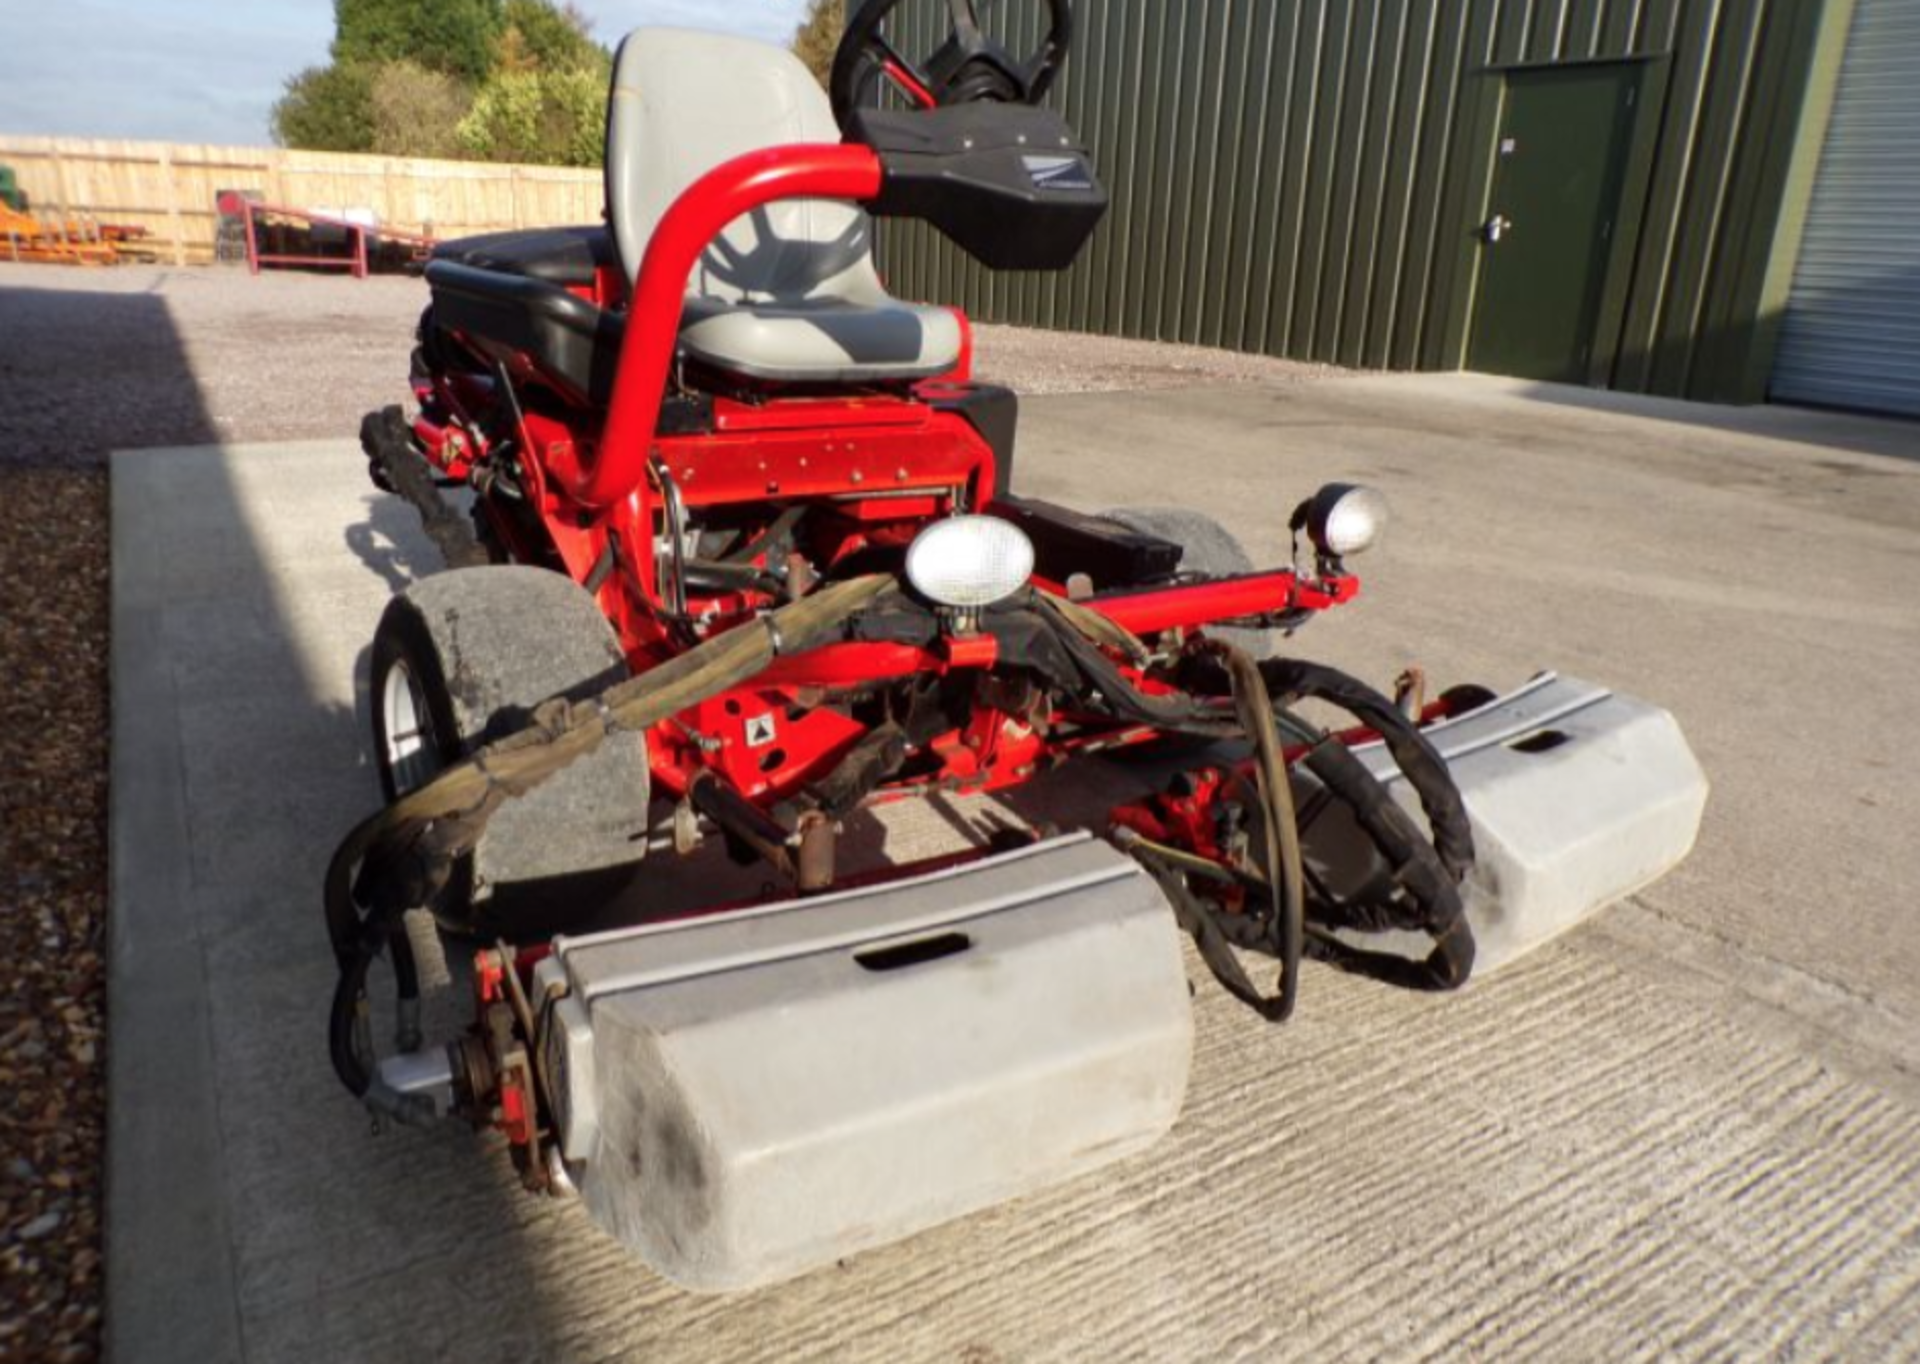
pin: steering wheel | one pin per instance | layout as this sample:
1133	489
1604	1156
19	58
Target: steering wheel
969	67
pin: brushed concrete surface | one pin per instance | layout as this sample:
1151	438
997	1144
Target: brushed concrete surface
1691	1128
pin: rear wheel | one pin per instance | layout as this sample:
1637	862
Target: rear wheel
460	659
1210	550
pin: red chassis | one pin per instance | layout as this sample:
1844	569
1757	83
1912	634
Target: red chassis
889	463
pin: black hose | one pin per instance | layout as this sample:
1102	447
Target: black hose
343	1020
781	527
343	915
1424	872
406	974
725	576
347	1018
1431	903
1289	679
388	444
1200	922
1119	697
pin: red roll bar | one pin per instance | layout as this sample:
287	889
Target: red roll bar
605	475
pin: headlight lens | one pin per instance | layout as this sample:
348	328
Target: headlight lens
1343	519
967	562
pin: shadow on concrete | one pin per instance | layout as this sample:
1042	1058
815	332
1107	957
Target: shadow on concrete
250	1212
1890	437
388	542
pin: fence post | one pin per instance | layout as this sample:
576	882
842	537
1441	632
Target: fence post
253	245
66	192
174	229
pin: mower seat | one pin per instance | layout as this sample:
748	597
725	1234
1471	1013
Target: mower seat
786	293
566	256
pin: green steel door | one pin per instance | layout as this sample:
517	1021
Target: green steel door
1564	136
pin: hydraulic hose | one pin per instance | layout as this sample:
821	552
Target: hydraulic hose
782	526
347	1024
1289	679
397	858
1426	873
1432	902
1280	821
1280	825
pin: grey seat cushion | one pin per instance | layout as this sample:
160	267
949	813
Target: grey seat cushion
822	339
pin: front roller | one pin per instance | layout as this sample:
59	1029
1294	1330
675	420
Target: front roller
743	1098
1578	796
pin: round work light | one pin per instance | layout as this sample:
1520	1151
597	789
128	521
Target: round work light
1343	519
967	562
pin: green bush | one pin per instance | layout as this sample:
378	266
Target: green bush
327	109
541	117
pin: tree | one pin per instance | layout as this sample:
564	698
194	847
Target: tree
452	36
417	112
503	80
818	37
554	39
327	109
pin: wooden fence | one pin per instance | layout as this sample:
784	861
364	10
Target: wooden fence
169	188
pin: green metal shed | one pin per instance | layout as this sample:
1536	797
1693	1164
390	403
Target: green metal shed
1604	191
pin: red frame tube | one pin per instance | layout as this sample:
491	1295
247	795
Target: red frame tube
1142	613
618	466
1255	594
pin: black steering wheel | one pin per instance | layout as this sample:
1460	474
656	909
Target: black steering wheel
969	67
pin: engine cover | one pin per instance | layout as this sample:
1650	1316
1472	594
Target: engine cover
755	1094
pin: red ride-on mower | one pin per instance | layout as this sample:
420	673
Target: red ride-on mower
747	557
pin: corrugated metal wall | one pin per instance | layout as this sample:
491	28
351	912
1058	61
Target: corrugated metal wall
1852	334
1302	177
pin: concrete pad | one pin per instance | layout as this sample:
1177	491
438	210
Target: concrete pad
1692	1127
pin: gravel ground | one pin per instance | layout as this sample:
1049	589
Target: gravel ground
139	357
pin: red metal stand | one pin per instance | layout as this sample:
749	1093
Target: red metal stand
357	236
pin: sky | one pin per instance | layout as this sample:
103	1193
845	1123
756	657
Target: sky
209	70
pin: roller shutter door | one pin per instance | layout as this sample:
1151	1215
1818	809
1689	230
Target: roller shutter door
1851	336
